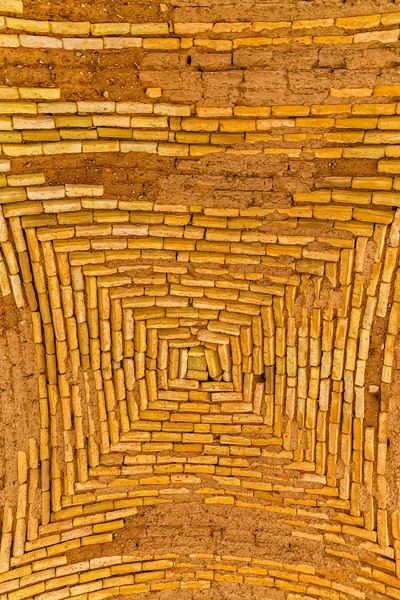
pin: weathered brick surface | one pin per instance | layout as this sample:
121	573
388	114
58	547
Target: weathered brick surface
199	229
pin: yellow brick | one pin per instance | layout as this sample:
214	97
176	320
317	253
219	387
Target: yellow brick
389	123
151	136
139	588
173	585
231	27
314	122
41	136
149	122
9	40
333	39
351	92
192	138
386	199
111	526
294	153
134	108
363	22
151	575
194	124
149	29
62	148
340	213
290	111
373	183
111	121
363	152
357	228
320	196
384	37
384	166
161	44
82	43
172	110
331	109
147	147
12	6
345	137
11	137
110	28
18	108
252	111
392	151
101	538
217	45
309	23
262	25
173	149
390	18
31	93
23	150
27	25
40	41
211	112
304	39
359	532
57	107
374	109
357	123
228	578
373	216
35	123
8	93
387	90
237	125
26	592
100	146
4	165
195	585
154	92
252	41
205	149
118	43
227	138
192	28
352	197
219	500
23	208
70	28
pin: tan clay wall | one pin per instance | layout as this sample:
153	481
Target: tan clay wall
200	300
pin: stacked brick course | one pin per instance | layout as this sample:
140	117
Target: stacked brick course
210	263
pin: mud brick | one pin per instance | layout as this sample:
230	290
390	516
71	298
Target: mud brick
204	240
